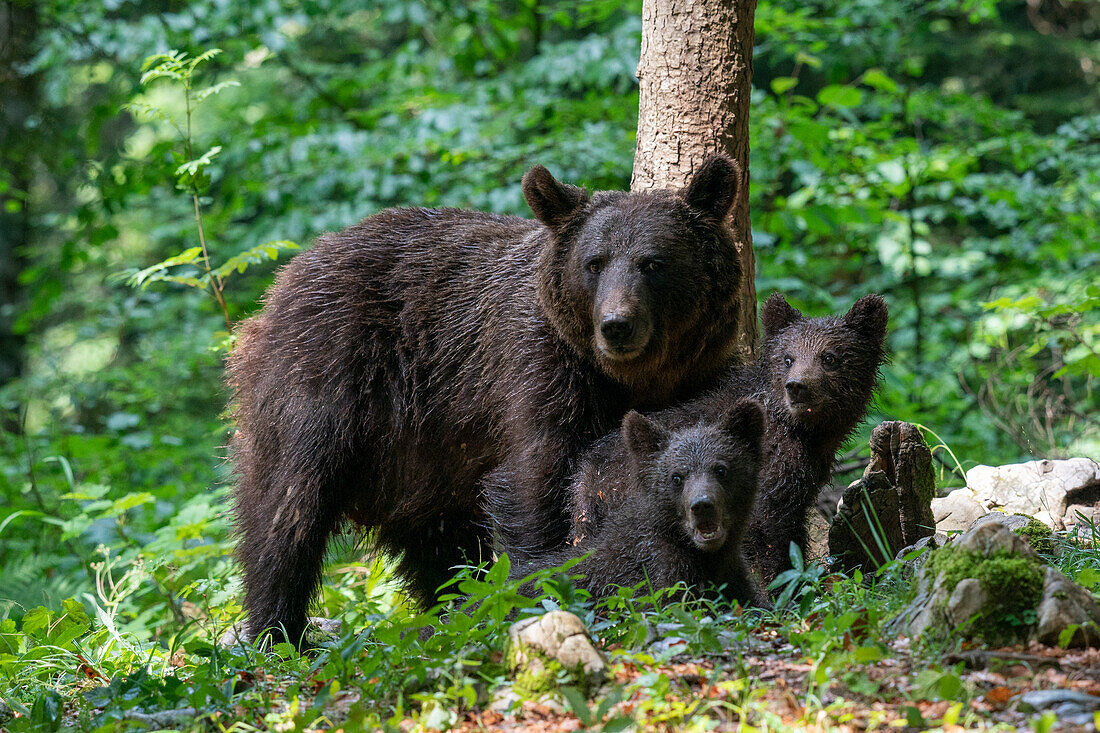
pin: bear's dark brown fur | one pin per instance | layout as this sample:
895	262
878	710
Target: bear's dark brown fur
815	378
684	498
397	361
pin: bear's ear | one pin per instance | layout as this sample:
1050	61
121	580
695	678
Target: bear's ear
778	314
713	188
745	420
642	436
868	316
552	201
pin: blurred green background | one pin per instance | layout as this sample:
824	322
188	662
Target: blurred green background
945	153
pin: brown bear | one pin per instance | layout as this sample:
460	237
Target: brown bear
399	360
815	378
684	498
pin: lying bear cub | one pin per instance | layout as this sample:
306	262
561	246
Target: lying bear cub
815	378
684	497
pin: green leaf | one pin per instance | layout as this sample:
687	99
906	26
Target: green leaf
836	95
877	79
781	84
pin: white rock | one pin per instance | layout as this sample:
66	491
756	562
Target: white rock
957	511
1082	514
1036	488
557	635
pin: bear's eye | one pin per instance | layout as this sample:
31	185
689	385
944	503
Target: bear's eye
651	266
720	471
829	360
677	479
787	361
594	265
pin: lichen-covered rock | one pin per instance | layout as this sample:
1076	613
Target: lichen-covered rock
545	650
1066	604
890	507
990	584
1041	489
957	511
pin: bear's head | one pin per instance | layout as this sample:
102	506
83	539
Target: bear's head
642	283
703	478
823	371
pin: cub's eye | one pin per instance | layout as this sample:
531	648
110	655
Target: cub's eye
828	360
677	479
720	471
594	266
787	361
651	266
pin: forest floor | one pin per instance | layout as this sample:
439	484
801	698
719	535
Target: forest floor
823	661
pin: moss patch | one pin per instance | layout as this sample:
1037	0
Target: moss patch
1037	534
1013	585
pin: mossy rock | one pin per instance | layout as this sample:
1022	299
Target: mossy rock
1011	586
1037	534
546	652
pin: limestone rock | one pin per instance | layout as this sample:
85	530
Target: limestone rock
1064	604
957	511
1038	700
890	507
965	602
1041	489
541	646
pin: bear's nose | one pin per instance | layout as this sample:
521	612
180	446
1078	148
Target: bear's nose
797	390
703	509
616	329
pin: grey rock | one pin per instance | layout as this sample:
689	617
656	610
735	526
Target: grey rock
1083	515
965	602
1039	700
558	636
1041	489
1011	521
991	538
1066	604
957	511
929	543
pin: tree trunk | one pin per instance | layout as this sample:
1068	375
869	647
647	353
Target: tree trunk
695	75
18	24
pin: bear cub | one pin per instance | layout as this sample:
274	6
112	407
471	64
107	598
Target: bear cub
815	378
684	500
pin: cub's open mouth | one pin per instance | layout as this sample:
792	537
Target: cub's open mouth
708	534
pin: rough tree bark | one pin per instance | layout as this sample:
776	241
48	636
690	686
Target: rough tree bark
18	25
695	75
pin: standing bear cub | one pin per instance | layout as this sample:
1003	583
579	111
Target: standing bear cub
684	498
815	378
399	360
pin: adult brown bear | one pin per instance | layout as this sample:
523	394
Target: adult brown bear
399	360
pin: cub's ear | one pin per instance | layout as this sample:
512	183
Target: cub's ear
868	316
778	314
642	436
713	188
552	201
745	420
